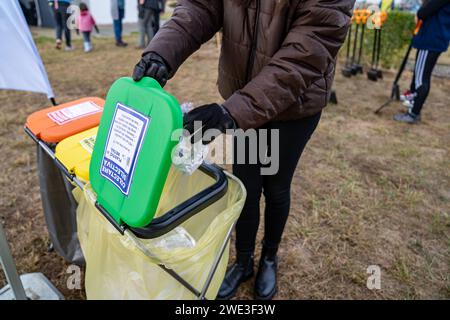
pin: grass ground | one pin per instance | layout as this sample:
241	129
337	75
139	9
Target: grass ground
445	58
368	191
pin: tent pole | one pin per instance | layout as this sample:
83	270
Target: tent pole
10	269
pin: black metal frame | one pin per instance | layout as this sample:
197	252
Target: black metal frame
176	216
48	149
170	220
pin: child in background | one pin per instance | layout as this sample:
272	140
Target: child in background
432	39
85	24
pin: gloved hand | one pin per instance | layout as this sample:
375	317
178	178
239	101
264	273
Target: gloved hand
152	65
211	116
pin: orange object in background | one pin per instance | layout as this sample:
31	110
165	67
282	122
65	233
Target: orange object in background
418	26
54	124
379	18
361	16
358	14
384	16
365	14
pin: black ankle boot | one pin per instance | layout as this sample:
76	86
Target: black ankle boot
266	278
239	272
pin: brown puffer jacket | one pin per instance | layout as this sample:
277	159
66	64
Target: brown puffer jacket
278	56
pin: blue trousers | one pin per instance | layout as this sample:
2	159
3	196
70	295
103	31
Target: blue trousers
117	23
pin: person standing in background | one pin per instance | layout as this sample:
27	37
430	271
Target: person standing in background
161	9
147	14
86	23
433	39
118	13
59	8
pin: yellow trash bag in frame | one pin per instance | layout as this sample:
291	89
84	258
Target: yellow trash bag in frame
125	267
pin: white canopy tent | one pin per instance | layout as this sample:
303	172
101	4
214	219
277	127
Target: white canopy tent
21	67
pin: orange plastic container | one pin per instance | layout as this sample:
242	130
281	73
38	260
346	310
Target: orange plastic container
54	124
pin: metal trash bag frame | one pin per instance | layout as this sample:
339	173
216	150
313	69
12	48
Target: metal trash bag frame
52	155
199	294
69	249
124	231
136	234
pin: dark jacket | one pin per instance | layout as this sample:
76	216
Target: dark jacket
278	56
434	35
156	5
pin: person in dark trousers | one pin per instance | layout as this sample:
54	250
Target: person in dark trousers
118	13
275	72
432	39
161	9
147	15
61	15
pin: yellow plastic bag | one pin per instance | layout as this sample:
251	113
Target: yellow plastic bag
118	268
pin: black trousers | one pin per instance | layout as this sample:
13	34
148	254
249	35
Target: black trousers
61	17
421	82
293	137
156	22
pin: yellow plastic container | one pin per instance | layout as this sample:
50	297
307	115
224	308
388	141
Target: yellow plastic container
75	153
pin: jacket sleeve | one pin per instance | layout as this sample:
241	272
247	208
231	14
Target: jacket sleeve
431	8
193	23
318	30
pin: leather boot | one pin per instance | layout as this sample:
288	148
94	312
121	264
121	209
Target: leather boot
239	272
266	278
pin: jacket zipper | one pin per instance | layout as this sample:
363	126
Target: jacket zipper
251	60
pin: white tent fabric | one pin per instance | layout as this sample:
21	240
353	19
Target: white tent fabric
21	67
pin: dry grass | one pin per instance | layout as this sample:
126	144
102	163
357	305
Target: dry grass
368	192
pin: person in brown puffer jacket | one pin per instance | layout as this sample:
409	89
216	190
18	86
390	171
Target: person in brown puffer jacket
276	71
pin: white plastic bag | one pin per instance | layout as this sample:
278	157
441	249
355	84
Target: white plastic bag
177	238
188	157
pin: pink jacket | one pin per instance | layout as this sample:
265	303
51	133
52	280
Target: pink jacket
85	21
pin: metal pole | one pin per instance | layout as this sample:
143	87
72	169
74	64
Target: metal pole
355	42
349	45
216	263
374	49
10	269
361	42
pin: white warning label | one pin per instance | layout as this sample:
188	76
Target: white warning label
64	115
123	144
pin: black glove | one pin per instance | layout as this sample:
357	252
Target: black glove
211	116
152	65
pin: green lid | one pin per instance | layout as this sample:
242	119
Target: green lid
132	153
